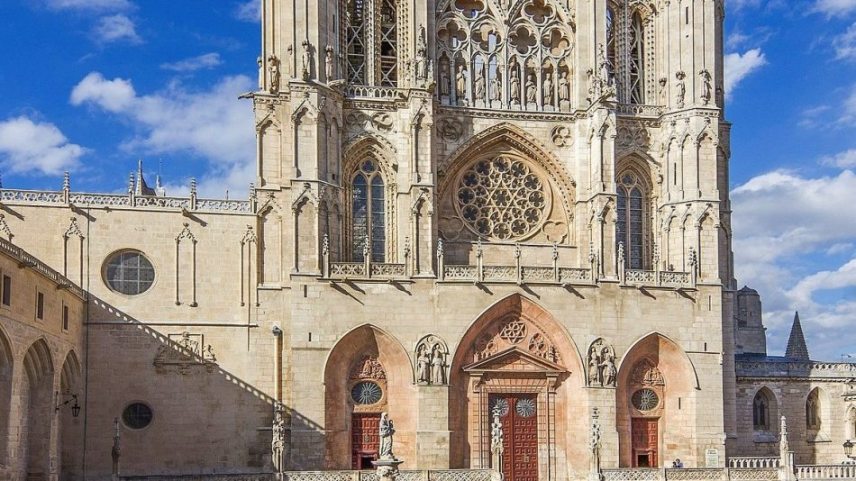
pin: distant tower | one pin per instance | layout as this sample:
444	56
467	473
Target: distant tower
796	342
749	331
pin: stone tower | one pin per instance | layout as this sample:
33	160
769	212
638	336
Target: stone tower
750	333
542	180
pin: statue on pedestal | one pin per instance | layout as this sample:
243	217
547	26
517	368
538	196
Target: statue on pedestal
387	430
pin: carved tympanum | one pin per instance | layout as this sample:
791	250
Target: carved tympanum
368	368
515	332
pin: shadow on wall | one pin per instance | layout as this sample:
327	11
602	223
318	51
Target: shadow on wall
179	411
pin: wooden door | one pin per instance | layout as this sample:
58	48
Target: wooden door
365	440
519	416
645	442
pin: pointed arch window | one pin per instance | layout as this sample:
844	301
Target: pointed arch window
368	213
812	411
371	42
629	49
636	57
611	48
631	225
761	412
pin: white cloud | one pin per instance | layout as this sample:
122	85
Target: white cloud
785	226
115	28
738	66
212	124
835	7
91	5
844	160
249	11
28	146
201	62
845	44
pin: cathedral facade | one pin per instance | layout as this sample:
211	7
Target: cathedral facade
466	213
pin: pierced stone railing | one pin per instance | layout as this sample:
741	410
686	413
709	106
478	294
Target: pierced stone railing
513	274
754	462
826	472
25	259
404	475
86	199
373	93
203	477
646	110
358	270
692	474
657	278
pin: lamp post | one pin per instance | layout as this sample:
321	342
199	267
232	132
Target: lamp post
848	449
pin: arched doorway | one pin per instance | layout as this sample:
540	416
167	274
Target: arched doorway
655	405
70	426
367	373
516	360
5	396
37	412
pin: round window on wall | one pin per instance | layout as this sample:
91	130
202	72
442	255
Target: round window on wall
645	399
366	393
137	416
129	272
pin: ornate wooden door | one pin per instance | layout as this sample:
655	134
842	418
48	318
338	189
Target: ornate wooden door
365	440
645	442
519	416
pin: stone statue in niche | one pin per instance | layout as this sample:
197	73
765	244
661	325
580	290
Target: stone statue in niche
515	84
706	87
480	85
495	89
548	88
386	431
421	61
306	60
328	64
261	65
531	89
461	83
601	365
680	89
564	88
663	82
445	81
431	361
288	55
273	68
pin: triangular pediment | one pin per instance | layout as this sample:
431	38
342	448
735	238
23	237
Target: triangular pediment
514	360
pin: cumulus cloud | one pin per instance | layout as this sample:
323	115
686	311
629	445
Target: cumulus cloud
116	28
28	146
201	62
844	160
212	124
835	7
249	11
783	252
845	44
739	66
90	5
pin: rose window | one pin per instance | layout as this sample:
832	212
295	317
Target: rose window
502	198
645	399
366	393
525	408
500	406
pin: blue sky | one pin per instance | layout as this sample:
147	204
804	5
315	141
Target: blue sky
90	86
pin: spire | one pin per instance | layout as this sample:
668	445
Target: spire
796	342
141	185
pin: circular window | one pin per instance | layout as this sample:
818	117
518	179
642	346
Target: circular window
502	198
525	408
137	416
645	400
129	272
366	393
500	406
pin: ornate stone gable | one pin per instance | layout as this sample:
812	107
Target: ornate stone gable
514	359
514	332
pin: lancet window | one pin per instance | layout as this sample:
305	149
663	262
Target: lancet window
630	50
761	412
812	411
371	42
631	221
368	213
495	55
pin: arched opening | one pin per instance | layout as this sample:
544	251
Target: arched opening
813	411
37	410
764	411
71	427
851	424
655	404
5	395
367	373
368	213
634	215
516	359
636	67
372	59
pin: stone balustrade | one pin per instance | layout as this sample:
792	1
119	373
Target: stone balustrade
826	472
204	477
754	462
25	259
692	474
125	201
373	93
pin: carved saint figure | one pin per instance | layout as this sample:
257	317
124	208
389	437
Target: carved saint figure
496	435
608	371
423	365
461	83
328	63
594	368
706	87
261	64
307	60
515	84
680	89
548	88
495	88
273	68
386	431
445	81
420	72
480	85
663	82
288	65
531	90
438	366
564	87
